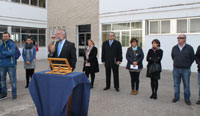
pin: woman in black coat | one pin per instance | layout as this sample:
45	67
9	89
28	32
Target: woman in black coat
91	65
154	56
134	56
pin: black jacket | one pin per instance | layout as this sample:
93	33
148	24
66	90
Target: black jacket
131	57
154	57
183	59
68	51
111	54
94	65
197	57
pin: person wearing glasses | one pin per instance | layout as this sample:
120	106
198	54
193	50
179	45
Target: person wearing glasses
51	46
183	57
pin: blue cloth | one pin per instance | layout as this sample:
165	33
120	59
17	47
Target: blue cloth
7	53
199	83
183	74
51	93
11	70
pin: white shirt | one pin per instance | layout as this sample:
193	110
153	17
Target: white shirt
180	48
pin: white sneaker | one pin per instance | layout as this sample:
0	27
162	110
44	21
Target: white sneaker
9	89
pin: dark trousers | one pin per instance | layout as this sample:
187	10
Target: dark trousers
87	73
154	86
135	80
115	70
29	74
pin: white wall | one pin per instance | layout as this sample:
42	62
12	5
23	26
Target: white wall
109	13
22	15
107	6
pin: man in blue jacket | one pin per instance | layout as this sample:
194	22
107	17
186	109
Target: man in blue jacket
7	65
183	57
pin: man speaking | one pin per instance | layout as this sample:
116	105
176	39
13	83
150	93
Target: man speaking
65	49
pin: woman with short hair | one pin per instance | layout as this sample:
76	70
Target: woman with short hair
134	56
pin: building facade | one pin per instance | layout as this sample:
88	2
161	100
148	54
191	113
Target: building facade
23	18
147	20
79	18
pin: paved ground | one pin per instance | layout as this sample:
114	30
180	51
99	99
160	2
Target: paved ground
111	103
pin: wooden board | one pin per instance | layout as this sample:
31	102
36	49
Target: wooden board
59	68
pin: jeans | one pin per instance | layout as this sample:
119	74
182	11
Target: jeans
183	74
199	83
12	74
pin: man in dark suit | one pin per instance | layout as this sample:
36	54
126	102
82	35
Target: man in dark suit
65	49
112	57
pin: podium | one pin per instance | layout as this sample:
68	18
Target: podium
53	94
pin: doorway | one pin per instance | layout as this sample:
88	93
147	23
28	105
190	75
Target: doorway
84	34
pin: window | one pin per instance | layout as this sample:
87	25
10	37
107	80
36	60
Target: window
154	27
138	35
123	32
16	35
125	39
182	26
25	1
106	27
42	3
195	25
2	30
165	27
121	26
159	27
16	1
105	36
136	25
20	34
34	2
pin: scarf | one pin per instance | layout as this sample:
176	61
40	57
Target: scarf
29	46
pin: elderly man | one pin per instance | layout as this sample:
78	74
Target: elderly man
183	57
65	49
7	65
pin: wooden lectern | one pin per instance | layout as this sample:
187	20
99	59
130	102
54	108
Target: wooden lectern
59	66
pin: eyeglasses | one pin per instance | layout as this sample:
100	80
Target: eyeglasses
180	38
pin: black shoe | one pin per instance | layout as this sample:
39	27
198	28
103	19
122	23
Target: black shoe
174	100
91	87
188	102
155	96
151	97
2	97
198	102
106	88
14	97
117	89
26	86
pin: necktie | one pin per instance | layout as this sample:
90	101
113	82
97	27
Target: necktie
110	43
59	48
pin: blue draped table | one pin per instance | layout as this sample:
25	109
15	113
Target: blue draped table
51	93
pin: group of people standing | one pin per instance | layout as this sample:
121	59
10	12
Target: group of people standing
9	53
182	55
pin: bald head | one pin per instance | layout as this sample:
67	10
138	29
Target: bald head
181	39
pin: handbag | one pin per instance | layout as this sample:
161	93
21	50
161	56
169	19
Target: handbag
154	68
